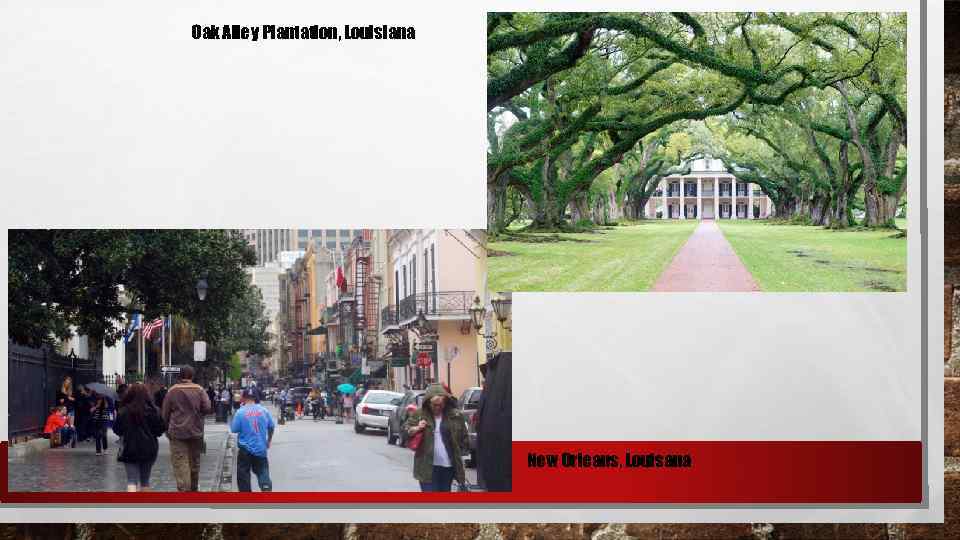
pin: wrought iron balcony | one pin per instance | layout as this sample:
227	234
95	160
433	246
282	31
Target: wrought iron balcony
388	317
436	305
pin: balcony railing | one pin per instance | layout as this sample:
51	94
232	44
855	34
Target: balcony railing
444	304
741	193
707	192
673	193
758	193
388	317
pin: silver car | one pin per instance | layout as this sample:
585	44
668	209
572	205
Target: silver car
374	409
469	403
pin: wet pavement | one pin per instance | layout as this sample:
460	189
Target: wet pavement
80	469
706	263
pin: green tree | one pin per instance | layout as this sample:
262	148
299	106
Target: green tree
572	95
89	281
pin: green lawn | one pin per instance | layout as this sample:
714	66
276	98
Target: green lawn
798	258
627	258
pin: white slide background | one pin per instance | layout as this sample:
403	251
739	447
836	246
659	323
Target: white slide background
113	116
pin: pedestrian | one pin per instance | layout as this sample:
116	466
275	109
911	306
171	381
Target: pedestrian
211	394
139	424
225	409
183	410
348	406
100	412
65	397
254	427
58	426
83	421
158	391
438	459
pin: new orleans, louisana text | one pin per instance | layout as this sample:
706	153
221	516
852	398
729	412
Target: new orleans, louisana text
273	31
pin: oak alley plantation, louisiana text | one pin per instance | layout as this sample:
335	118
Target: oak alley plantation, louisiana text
272	31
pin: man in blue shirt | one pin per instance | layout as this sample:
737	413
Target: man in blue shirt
254	427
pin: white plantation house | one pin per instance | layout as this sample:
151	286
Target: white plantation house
707	192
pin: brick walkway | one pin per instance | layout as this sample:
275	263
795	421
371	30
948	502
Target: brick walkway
80	469
706	263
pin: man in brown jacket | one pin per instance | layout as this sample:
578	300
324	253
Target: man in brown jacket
184	407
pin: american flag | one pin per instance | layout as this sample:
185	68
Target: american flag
151	327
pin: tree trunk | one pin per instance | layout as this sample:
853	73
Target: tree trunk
841	211
818	210
494	209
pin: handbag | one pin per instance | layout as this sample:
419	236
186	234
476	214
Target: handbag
414	442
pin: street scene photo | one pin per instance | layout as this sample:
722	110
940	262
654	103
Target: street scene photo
690	152
219	360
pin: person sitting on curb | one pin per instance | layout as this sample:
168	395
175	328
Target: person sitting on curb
254	426
59	423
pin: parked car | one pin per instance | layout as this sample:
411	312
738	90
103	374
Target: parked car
374	409
469	405
411	402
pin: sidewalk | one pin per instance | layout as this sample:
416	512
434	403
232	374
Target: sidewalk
80	469
706	263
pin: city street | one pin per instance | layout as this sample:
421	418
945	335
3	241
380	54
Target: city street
308	455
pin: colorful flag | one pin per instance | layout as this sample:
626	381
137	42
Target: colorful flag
151	327
341	281
134	324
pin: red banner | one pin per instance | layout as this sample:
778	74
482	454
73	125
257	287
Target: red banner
745	472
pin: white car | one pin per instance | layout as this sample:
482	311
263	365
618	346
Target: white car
374	409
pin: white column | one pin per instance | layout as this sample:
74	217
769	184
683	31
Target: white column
664	185
700	198
749	201
716	198
682	206
733	198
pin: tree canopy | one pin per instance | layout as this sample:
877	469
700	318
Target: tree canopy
90	281
571	96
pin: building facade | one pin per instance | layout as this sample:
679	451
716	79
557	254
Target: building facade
431	272
709	191
269	243
267	280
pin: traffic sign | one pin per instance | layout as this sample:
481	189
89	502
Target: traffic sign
424	359
430	346
170	369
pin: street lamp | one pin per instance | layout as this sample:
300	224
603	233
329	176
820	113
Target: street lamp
202	288
477	313
502	308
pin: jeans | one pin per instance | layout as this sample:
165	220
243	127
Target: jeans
67	435
138	473
100	435
440	480
247	461
185	456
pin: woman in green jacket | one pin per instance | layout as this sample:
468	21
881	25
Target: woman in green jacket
439	458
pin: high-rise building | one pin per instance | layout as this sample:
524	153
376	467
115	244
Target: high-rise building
268	243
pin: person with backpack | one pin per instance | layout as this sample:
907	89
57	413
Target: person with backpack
139	424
